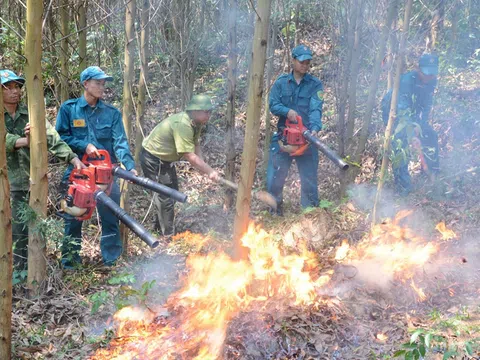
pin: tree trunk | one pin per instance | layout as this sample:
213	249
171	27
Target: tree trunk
352	97
82	35
393	109
268	116
297	24
5	249
142	82
54	58
377	68
230	114
255	92
64	54
343	96
37	266
127	112
454	33
393	43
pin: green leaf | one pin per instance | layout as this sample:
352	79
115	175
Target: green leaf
325	204
468	348
399	353
428	340
422	350
409	356
415	335
449	354
416	354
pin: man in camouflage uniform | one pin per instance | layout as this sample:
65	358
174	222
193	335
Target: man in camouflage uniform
411	130
18	158
174	138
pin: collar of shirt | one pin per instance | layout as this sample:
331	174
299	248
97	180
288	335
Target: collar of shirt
21	110
82	102
305	78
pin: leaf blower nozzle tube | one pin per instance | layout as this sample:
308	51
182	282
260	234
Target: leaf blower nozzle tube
150	184
132	224
329	153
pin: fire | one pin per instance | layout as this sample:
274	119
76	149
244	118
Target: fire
381	337
447	234
216	290
420	293
396	249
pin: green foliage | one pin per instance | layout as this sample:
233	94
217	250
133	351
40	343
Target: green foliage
124	278
98	299
19	276
128	295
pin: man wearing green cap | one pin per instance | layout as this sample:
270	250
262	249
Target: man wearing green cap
411	130
18	157
88	124
295	94
174	138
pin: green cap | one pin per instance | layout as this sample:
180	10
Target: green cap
200	102
9	75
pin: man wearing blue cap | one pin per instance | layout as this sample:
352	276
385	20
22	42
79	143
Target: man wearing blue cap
18	158
88	124
295	94
411	131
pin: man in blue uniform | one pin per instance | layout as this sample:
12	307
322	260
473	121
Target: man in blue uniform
87	124
411	130
295	94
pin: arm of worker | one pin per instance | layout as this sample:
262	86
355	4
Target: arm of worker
201	165
315	110
275	102
14	141
60	149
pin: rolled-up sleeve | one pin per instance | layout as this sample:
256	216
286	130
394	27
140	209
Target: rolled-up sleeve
57	146
10	141
275	100
120	142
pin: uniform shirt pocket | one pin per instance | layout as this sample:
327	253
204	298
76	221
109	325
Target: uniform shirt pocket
103	131
287	96
79	128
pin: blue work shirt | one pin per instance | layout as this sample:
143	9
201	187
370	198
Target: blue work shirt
79	124
415	98
305	98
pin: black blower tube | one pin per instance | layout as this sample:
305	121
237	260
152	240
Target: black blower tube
132	224
329	153
150	184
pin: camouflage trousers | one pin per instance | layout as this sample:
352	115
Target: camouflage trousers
19	200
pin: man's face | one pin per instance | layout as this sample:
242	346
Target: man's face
12	91
301	67
95	88
426	78
201	116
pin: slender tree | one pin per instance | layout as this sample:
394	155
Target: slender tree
230	114
393	109
142	82
255	93
82	34
37	266
64	54
5	249
128	76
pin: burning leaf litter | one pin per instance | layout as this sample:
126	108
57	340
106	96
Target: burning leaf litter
218	290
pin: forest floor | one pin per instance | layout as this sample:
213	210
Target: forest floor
365	311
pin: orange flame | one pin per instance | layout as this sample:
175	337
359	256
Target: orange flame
216	290
447	234
420	293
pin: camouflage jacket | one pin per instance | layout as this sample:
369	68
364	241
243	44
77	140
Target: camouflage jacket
18	160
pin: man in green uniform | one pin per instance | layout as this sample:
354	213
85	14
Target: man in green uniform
174	138
18	157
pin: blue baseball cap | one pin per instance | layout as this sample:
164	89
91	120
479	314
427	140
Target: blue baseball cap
95	73
428	64
9	75
302	53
